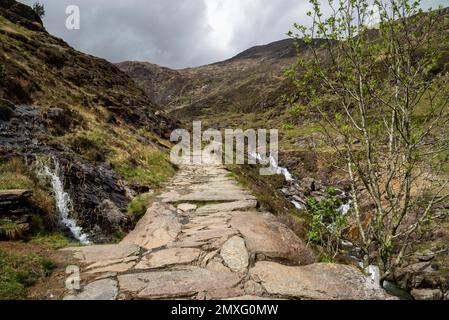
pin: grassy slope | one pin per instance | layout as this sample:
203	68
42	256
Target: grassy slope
114	122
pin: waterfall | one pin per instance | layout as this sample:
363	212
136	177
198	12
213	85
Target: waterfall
62	199
274	164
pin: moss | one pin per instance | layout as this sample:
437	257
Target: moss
15	174
138	207
19	271
52	240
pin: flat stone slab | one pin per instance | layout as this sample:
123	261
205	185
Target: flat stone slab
320	281
159	227
235	255
99	290
115	268
228	206
173	284
205	235
264	234
169	257
99	253
186	207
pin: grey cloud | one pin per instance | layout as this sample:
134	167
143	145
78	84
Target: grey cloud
175	33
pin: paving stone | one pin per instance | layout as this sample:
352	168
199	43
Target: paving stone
168	257
235	255
172	284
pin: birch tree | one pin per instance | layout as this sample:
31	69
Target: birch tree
381	62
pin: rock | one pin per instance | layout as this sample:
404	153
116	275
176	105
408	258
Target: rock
159	227
217	266
187	207
206	235
418	275
95	254
250	298
113	215
173	284
6	110
115	268
235	255
254	288
99	290
425	256
264	234
169	257
228	206
427	294
15	195
316	282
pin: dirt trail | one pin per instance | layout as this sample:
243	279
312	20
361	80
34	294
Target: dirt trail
205	238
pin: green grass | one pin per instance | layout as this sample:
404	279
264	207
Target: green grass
11	230
52	240
138	207
20	271
149	167
14	174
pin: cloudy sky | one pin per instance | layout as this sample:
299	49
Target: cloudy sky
175	33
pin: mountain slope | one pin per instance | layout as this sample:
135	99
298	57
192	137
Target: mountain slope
81	116
245	83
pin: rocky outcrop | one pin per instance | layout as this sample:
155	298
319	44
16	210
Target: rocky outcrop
21	14
316	282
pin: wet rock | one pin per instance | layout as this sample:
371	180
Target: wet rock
427	294
99	290
6	110
254	288
235	255
316	282
113	215
418	275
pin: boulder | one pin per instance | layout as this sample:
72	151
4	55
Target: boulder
105	289
318	281
264	234
427	294
235	255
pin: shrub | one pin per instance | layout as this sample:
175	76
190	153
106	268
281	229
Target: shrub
327	223
19	271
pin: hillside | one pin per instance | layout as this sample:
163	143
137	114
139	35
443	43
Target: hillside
78	117
252	81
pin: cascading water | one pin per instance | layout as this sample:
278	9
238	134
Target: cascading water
62	199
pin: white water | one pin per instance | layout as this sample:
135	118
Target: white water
63	201
298	205
274	164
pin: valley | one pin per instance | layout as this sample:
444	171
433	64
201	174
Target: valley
86	180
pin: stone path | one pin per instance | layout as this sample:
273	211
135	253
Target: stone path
204	238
